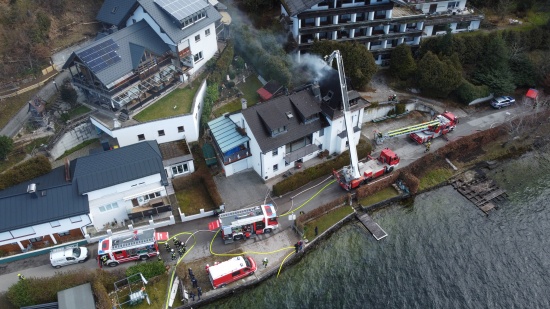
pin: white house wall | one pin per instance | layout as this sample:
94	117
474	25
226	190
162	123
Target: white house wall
190	166
44	229
117	194
208	45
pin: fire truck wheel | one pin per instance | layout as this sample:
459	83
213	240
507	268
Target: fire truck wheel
390	169
144	257
223	285
267	231
113	264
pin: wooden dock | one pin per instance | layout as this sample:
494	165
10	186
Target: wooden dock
372	226
481	191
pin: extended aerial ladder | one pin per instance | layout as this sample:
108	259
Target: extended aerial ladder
381	137
347	112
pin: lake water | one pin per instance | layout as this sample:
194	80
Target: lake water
441	252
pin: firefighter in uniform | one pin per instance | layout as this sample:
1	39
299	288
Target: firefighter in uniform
173	254
167	246
181	251
104	259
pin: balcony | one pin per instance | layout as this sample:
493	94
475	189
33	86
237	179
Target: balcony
243	153
300	153
156	207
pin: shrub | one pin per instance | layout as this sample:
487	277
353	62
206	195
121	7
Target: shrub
148	270
6	146
467	92
27	170
101	295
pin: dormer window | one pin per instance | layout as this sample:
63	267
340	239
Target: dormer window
278	131
289	115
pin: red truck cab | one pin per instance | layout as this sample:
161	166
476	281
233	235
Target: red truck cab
231	270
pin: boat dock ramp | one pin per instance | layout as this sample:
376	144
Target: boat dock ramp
372	226
481	191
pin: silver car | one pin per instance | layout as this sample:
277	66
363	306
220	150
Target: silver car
502	101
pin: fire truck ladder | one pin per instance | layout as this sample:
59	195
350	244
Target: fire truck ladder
130	242
380	137
256	210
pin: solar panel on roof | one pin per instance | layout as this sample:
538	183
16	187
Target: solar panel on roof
101	56
180	9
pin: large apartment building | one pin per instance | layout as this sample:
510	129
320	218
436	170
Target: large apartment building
380	25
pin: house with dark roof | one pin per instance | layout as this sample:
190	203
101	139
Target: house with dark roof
43	211
379	25
160	42
122	184
273	137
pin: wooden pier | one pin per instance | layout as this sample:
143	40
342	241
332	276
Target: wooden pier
372	226
481	191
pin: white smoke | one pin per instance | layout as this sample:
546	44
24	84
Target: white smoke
311	67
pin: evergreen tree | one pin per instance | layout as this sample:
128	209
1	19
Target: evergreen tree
6	146
493	69
437	78
402	64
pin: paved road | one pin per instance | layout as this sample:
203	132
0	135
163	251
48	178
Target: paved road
407	149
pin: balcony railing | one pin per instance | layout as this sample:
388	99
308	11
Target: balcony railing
239	155
300	153
149	212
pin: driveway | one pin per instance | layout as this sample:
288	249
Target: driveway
241	190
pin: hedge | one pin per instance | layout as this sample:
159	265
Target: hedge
148	270
25	171
33	291
324	169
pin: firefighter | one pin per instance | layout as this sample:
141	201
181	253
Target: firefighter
167	246
159	258
191	273
181	251
194	282
173	254
265	262
104	259
192	296
177	242
428	144
21	277
199	292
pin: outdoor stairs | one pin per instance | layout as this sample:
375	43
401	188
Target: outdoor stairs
123	117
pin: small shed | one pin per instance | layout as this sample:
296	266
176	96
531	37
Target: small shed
269	90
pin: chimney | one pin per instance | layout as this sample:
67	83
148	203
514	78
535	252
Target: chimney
243	103
316	90
67	170
31	189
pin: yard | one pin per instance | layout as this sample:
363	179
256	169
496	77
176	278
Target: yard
379	196
177	102
326	221
77	111
157	294
194	198
248	88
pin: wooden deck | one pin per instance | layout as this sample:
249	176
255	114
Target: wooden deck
372	226
481	191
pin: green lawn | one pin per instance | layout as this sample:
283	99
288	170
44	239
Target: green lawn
379	196
248	89
182	99
325	222
194	198
77	111
434	177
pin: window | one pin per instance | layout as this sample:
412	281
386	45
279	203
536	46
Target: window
141	137
197	37
237	273
181	129
275	152
275	167
151	196
278	131
207	32
64	233
161	132
197	57
108	207
453	4
321	132
36	239
55	224
180	169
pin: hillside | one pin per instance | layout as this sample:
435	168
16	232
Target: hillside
31	30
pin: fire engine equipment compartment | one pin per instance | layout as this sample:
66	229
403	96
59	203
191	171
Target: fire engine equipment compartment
140	245
243	223
68	255
231	270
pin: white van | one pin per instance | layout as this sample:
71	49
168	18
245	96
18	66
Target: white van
68	255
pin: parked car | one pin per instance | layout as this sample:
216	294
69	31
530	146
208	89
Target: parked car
502	101
68	255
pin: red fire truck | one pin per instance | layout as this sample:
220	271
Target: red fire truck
140	245
367	171
231	270
446	123
242	223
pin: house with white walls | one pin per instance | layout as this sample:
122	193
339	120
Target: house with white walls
44	211
123	184
162	42
379	25
273	137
